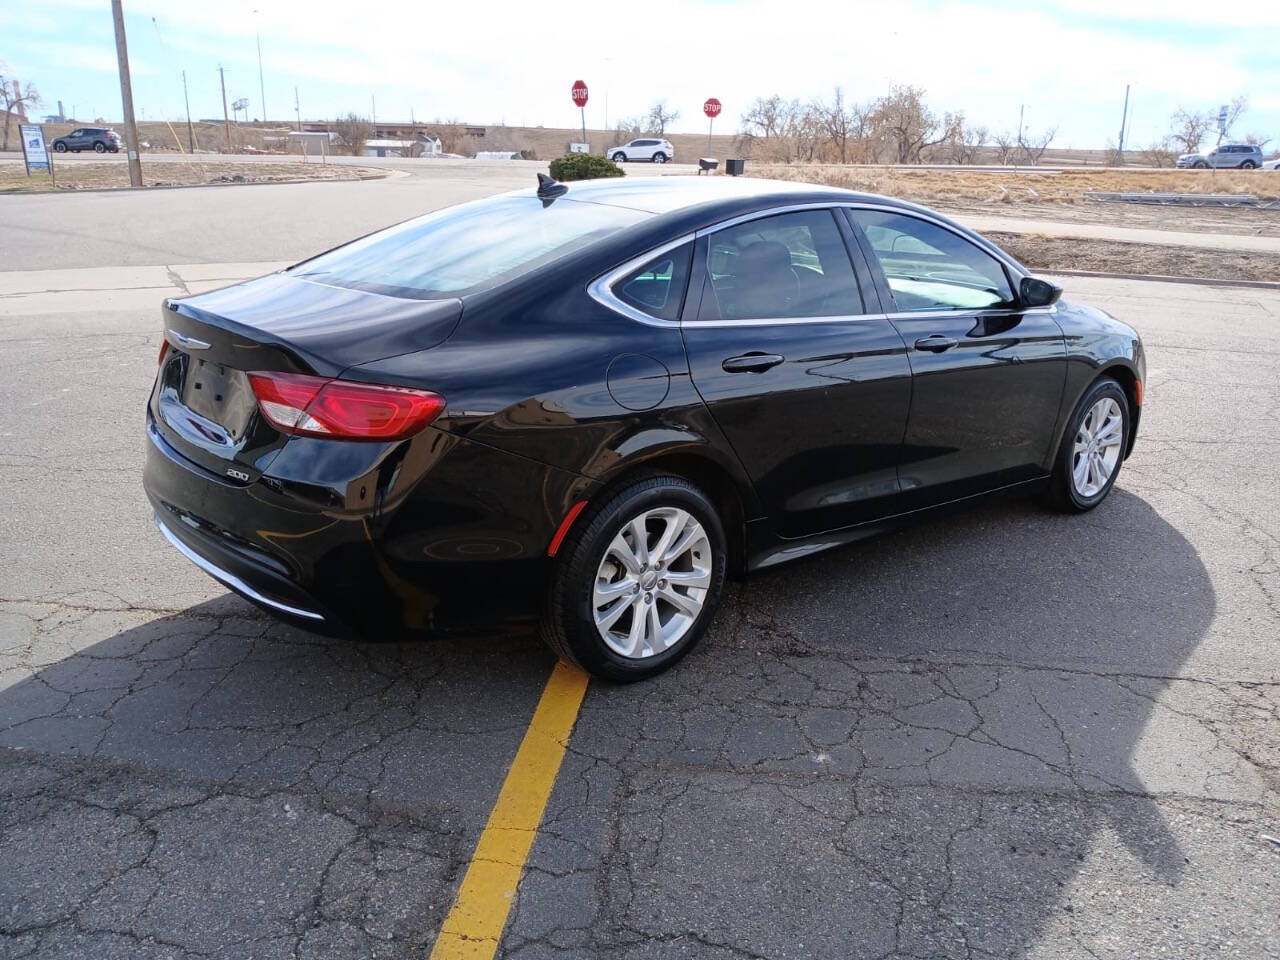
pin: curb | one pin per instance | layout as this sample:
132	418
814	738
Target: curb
1159	278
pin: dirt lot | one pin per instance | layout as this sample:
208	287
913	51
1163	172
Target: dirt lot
1059	196
169	173
1107	256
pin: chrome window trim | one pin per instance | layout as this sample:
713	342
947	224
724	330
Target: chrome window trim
230	579
601	288
784	321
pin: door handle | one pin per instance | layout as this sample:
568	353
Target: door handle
751	363
936	343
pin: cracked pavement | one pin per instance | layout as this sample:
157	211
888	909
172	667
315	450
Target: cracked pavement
1007	733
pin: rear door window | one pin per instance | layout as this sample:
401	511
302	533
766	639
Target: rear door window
930	268
792	265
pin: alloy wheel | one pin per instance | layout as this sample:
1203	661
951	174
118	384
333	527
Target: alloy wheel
652	582
1096	451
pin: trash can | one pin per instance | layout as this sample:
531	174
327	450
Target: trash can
734	166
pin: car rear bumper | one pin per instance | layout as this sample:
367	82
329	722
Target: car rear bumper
456	537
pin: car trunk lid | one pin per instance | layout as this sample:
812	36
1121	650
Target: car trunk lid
203	404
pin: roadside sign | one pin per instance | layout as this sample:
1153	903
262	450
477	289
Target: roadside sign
1222	118
712	108
34	153
579	93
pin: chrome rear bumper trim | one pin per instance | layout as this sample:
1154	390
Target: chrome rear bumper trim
231	580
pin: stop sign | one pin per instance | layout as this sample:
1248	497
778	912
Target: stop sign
579	93
711	108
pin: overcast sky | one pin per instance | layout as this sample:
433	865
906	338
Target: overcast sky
486	63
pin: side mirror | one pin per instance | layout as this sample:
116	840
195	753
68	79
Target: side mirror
1034	292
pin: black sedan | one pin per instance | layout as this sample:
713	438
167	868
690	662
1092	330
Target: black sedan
593	402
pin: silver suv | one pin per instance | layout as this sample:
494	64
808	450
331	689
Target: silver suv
645	148
1246	156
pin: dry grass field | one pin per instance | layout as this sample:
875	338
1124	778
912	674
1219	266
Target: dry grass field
962	185
169	173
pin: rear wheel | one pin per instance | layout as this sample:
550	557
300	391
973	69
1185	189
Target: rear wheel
1248	165
619	157
99	147
637	585
1092	448
659	157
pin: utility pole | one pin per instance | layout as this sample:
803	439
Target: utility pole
126	97
262	87
191	137
1022	108
297	108
226	122
373	109
1124	117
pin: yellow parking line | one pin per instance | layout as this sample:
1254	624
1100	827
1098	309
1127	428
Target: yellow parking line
474	925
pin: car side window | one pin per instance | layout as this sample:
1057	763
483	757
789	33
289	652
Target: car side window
931	268
658	287
792	265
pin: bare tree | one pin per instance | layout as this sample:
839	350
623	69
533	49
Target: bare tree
1032	147
837	123
15	99
1189	129
660	118
1006	144
764	118
628	128
907	126
1159	154
965	143
1257	140
351	132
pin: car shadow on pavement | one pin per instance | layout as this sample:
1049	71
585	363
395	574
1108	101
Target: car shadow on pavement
951	741
912	746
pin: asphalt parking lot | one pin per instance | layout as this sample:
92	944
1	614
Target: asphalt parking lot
1006	734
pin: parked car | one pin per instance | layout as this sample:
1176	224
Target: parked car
593	403
645	148
1246	156
99	139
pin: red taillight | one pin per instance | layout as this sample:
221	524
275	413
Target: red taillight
341	410
164	350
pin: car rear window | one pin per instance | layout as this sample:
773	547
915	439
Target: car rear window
467	248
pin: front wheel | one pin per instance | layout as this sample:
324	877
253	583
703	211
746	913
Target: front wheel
659	158
59	148
1092	448
639	582
619	157
1201	165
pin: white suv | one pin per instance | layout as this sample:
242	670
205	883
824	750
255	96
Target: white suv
1246	156
646	148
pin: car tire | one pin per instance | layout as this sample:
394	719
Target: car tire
1097	431
99	147
619	157
59	147
596	555
1200	165
659	157
1248	165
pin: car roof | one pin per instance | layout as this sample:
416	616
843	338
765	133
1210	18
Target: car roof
664	195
